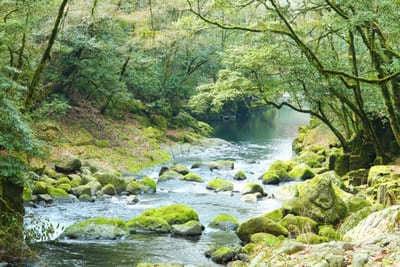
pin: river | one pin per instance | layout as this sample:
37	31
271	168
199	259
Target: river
253	145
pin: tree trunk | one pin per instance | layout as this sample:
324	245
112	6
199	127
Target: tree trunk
46	55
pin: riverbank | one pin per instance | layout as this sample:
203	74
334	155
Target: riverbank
328	220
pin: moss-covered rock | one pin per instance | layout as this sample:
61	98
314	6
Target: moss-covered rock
225	222
27	194
240	175
161	219
146	185
169	175
383	173
180	169
311	159
76	181
265	239
86	198
275	215
40	188
357	177
328	231
297	225
223	255
311	238
108	189
252	188
143	224
317	199
190	228
68	166
113	178
96	228
270	177
95	186
62	180
192	177
81	190
260	225
221	165
219	184
302	171
50	172
65	187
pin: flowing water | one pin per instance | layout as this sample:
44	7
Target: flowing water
253	144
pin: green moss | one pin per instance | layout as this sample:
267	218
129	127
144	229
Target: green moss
260	225
96	228
225	222
282	168
223	255
65	187
173	214
180	169
27	193
270	177
328	231
108	189
57	193
342	164
219	184
113	178
265	239
169	175
302	171
275	215
311	159
40	188
298	224
311	238
252	188
240	175
76	181
81	190
148	224
62	180
148	184
192	177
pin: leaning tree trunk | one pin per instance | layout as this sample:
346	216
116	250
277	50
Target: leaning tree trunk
46	55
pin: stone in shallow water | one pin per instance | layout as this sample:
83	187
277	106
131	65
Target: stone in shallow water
191	228
96	228
225	222
260	225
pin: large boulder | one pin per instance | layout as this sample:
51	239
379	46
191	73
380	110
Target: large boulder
311	238
68	166
82	190
260	224
379	222
225	222
219	184
223	255
318	200
57	193
96	228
